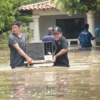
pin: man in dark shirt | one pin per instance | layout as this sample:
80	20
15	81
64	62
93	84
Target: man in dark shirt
61	53
17	47
49	36
85	37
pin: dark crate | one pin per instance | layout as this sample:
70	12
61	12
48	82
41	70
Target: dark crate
35	50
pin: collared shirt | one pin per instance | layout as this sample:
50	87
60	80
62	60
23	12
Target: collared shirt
63	59
85	38
16	60
48	37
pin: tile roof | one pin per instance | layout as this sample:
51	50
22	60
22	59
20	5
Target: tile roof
37	6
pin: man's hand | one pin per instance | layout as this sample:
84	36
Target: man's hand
54	58
29	60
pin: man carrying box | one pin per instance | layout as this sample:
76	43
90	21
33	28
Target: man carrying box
16	43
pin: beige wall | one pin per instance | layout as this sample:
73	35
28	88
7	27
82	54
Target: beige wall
48	12
47	21
48	18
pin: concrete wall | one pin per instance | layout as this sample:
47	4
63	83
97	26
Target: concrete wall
48	18
47	21
97	20
48	12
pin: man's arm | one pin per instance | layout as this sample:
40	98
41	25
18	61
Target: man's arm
59	54
92	38
63	50
22	53
44	38
96	36
12	41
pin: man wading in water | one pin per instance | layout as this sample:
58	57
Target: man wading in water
85	37
61	54
16	43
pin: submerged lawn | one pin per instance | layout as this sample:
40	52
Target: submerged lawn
5	85
4	54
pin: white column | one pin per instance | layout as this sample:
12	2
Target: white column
91	22
36	28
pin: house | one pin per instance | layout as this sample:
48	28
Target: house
45	15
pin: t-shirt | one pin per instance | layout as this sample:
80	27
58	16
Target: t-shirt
63	59
85	38
97	31
48	37
16	60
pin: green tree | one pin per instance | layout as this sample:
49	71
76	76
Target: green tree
8	13
76	6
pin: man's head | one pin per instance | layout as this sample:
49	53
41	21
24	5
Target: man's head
50	30
15	27
86	26
57	33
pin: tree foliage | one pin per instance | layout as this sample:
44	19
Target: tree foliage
8	13
76	6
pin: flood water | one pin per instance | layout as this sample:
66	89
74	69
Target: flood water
79	82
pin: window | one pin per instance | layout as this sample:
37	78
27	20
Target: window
71	27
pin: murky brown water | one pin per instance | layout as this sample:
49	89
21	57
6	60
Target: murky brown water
79	82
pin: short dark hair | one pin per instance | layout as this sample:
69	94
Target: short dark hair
50	30
15	23
86	26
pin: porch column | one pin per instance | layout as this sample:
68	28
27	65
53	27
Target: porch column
36	28
91	22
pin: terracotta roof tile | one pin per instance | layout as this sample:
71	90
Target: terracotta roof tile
37	6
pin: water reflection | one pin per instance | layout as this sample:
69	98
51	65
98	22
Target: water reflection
79	82
40	85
